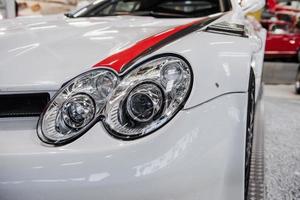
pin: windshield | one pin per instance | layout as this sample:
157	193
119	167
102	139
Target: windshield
280	29
155	8
285	17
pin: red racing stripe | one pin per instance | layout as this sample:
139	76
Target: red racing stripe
119	60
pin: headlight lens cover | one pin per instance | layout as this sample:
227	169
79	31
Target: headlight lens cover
76	107
130	106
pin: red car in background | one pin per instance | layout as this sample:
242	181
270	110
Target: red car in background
289	17
283	40
284	16
274	5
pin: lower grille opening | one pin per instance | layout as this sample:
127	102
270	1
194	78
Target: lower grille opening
23	105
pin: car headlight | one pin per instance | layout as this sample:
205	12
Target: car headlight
130	106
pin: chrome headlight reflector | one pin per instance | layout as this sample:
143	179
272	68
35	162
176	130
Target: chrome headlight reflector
130	106
156	89
76	107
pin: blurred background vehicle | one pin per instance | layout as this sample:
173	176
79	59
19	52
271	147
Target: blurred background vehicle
281	19
288	16
285	5
284	16
283	41
289	6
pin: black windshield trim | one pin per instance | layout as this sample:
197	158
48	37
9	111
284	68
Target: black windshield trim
92	9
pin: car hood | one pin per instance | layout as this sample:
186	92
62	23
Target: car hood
41	53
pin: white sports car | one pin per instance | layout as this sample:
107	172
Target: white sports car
130	99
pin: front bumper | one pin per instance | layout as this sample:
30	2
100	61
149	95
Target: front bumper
280	54
198	155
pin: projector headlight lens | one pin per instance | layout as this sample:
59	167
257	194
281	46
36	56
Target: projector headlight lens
144	102
77	112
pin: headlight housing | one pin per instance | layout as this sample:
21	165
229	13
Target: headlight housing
130	106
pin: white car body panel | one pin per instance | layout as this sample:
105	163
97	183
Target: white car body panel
199	154
97	166
45	50
50	45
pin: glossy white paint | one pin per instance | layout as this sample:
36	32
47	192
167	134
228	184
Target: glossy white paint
51	50
197	155
221	63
